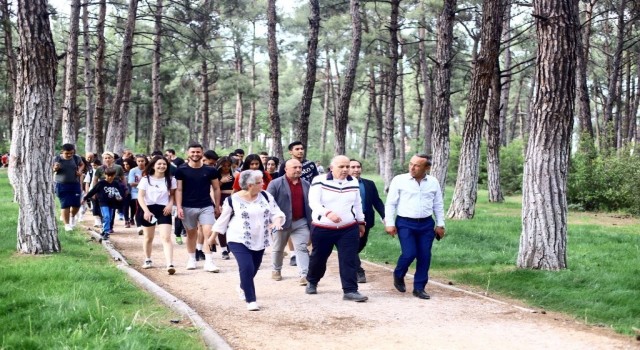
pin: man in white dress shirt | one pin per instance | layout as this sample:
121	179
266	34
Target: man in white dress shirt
413	199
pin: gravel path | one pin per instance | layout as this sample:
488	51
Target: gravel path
290	319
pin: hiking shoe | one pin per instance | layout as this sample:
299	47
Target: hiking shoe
191	264
68	227
303	281
210	266
105	236
171	269
200	255
253	306
311	288
225	255
147	264
179	240
355	296
276	275
292	262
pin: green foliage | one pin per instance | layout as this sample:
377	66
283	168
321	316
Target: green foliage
76	298
605	182
512	167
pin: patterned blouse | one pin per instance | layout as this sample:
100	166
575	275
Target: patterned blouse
248	221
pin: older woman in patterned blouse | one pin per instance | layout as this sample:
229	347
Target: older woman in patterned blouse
247	219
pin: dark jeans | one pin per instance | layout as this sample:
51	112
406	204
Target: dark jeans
133	209
416	239
346	241
248	263
361	244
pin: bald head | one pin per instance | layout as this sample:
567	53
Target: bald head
293	169
340	167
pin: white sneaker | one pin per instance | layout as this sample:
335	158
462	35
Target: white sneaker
191	264
240	293
61	218
147	264
253	306
68	227
97	222
72	221
210	266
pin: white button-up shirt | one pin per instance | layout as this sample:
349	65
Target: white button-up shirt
410	199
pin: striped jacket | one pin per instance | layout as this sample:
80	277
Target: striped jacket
341	197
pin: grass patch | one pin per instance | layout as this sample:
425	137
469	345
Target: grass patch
76	298
601	285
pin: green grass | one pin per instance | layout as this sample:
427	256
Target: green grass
601	285
76	298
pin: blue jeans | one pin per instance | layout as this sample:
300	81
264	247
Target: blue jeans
416	239
248	263
323	241
107	217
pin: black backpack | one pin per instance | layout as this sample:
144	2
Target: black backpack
230	201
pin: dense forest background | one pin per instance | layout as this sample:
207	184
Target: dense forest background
377	84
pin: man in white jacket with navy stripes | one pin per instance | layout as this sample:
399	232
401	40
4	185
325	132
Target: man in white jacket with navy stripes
337	220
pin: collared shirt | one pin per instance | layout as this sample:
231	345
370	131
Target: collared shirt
410	199
363	195
297	199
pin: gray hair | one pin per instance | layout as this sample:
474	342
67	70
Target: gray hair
249	177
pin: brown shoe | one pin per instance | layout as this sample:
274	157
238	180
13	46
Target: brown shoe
303	281
275	275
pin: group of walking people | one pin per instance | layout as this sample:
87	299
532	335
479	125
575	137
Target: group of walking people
245	205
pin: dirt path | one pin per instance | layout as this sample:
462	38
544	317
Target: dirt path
290	319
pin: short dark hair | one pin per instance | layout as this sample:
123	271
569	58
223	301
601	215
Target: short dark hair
96	161
275	160
68	147
295	143
263	153
355	160
425	156
195	145
170	150
238	151
157	153
109	172
211	154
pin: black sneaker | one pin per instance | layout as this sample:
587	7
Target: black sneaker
292	262
225	255
311	288
362	278
199	255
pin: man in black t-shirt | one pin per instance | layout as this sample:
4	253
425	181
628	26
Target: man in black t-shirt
194	204
170	154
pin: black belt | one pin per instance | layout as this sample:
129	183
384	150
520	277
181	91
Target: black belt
415	220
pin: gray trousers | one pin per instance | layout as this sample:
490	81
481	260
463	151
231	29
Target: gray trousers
299	233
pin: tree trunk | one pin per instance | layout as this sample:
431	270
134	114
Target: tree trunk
32	144
89	143
466	191
116	133
441	115
427	101
610	130
582	57
401	111
544	198
505	82
378	100
252	112
101	95
156	94
10	60
392	87
204	103
342	117
274	116
516	111
494	137
365	132
302	130
327	100
239	67
70	107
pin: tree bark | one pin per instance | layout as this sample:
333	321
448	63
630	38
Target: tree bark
544	199
327	101
505	82
70	107
32	143
204	103
342	117
252	113
116	133
401	112
156	94
101	95
89	143
274	116
441	115
302	130
389	120
239	68
494	137
610	129
466	191
427	101
582	57
10	59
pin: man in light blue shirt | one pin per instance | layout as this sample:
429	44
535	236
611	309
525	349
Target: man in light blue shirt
413	199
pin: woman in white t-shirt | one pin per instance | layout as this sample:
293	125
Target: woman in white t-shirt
155	198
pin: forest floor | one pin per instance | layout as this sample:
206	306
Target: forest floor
290	319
